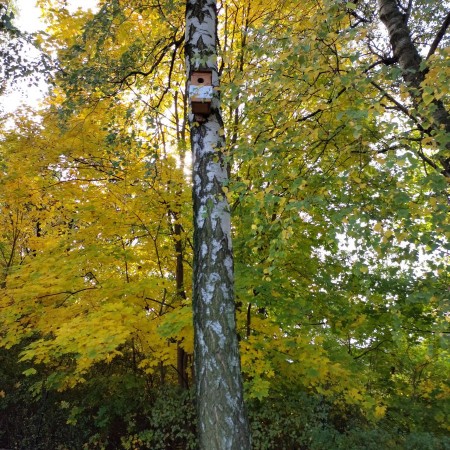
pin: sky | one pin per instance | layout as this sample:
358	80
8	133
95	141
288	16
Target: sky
27	16
28	19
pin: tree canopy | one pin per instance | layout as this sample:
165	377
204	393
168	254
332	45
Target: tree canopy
337	139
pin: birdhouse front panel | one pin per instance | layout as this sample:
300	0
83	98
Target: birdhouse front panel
201	92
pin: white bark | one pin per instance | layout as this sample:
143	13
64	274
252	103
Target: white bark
221	414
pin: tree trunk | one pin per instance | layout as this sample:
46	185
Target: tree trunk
222	419
409	60
182	356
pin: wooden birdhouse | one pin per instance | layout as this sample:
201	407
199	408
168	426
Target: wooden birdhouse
201	92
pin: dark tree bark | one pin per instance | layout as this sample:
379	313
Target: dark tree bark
222	419
182	356
409	60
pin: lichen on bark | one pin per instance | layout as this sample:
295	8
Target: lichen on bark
222	419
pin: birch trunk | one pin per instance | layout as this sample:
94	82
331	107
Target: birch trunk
220	405
410	61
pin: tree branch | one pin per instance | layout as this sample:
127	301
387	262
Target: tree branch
66	292
439	36
401	107
370	349
134	73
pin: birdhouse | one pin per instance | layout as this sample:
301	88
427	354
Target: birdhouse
201	92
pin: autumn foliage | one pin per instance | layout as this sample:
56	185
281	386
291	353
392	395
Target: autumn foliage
339	198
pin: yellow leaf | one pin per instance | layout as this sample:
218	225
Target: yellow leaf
378	227
380	411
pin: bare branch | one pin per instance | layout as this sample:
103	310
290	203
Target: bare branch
158	58
66	292
371	349
439	36
401	107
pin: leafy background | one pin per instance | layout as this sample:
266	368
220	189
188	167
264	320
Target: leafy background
340	222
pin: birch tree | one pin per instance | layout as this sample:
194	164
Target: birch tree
340	231
414	70
220	405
